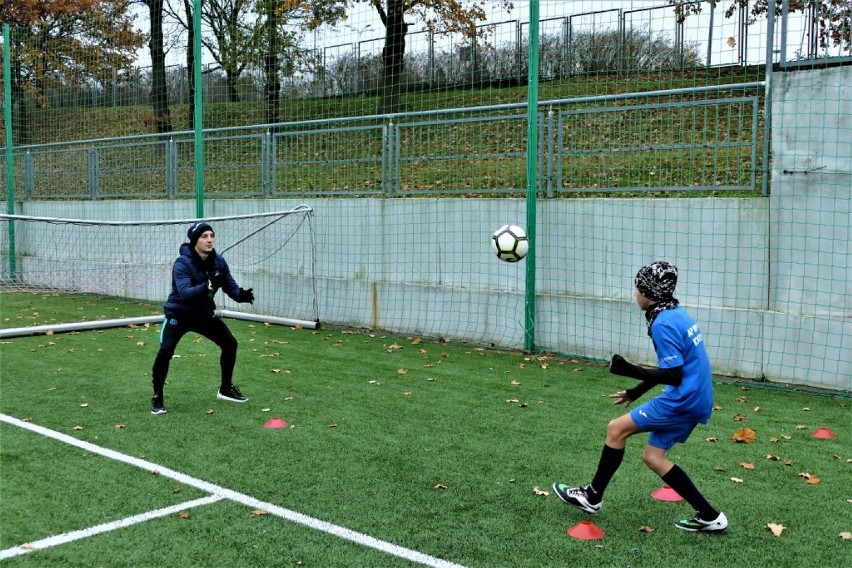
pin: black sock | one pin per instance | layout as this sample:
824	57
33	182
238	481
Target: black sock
677	479
607	466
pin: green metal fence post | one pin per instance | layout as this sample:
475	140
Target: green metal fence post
197	117
532	176
10	158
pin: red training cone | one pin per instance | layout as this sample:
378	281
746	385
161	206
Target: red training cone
666	493
275	423
824	433
586	530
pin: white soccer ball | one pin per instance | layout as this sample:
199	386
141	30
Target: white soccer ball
510	243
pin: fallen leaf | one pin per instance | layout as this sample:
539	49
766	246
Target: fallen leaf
77	428
333	425
773	440
258	512
538	491
84	405
439	486
747	465
776	528
741	398
512	400
27	546
737	480
402	371
265	409
740	418
183	515
407	393
846	535
745	435
717	407
711	439
646	529
719	468
806	409
275	370
119	426
731	42
756	409
514	383
801	427
209	411
770	457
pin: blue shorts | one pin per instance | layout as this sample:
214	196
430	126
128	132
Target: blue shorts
666	430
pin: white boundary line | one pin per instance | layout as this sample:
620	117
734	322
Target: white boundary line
65	538
249	501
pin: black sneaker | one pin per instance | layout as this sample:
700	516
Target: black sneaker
157	405
577	496
231	394
697	524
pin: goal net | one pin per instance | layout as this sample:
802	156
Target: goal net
273	253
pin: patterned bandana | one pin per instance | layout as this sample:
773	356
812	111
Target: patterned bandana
657	282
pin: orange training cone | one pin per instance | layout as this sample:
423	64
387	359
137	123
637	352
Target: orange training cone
666	493
275	423
586	530
824	433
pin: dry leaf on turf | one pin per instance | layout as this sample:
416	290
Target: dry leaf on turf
183	515
740	418
745	435
770	457
645	528
736	480
846	535
258	512
801	427
776	528
538	491
747	465
439	486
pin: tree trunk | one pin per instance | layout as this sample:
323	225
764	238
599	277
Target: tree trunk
393	63
231	77
159	91
21	126
272	86
190	63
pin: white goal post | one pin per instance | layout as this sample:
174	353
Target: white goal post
273	253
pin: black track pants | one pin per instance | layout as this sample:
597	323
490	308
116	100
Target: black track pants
212	328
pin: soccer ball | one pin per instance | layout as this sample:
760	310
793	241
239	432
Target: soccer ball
510	243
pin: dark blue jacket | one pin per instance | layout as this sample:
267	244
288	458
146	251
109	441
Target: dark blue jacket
190	297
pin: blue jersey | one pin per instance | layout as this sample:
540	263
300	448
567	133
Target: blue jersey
679	343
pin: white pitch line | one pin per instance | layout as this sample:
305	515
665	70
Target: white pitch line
311	522
65	538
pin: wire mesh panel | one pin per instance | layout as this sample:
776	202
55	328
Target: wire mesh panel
654	129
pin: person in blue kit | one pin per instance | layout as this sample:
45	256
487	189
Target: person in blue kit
686	401
197	275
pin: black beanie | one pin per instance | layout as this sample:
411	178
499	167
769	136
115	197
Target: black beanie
657	281
196	230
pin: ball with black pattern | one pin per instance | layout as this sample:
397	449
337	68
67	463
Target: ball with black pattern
510	243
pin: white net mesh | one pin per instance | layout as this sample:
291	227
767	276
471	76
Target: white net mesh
273	253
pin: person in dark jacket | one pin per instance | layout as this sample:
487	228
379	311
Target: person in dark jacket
197	275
